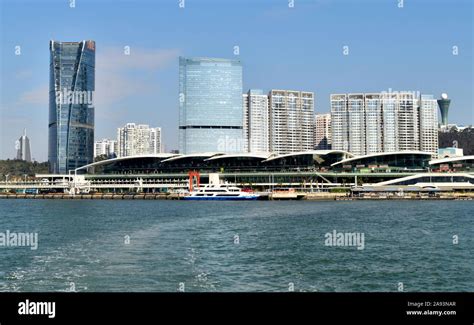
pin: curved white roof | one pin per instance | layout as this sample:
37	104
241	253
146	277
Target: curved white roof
157	155
245	154
192	155
309	152
450	159
412	152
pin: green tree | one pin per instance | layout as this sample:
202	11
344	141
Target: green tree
465	139
19	168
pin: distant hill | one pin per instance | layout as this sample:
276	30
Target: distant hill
464	138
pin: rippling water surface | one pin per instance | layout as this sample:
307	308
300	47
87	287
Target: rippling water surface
237	246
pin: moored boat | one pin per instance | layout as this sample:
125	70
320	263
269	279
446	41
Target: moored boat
220	192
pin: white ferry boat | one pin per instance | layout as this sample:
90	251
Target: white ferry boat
220	192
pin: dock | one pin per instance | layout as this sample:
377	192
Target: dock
96	196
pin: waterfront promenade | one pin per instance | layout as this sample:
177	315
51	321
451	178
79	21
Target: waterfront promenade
315	196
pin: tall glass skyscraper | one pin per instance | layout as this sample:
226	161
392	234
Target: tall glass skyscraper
23	150
71	109
210	105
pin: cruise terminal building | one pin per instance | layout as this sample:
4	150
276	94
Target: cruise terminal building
307	171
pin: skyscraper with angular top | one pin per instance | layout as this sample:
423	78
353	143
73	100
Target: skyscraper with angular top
71	109
23	150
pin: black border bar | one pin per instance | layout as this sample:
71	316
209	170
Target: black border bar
242	306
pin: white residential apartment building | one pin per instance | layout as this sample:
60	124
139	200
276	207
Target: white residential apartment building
322	131
373	123
105	147
256	121
339	122
429	123
138	139
291	121
384	122
408	122
356	120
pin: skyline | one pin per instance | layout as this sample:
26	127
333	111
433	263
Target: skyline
143	87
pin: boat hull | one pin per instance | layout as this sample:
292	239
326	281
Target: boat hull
221	198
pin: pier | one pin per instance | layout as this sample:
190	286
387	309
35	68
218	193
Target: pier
265	196
303	185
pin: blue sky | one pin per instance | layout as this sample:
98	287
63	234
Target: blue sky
299	48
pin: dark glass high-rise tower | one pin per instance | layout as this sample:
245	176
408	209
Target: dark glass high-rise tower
71	109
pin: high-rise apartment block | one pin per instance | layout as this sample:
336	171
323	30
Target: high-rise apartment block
291	121
256	121
384	122
138	139
322	131
428	124
105	147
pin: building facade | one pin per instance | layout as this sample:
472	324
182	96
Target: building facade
256	121
322	131
138	139
408	121
389	123
429	140
356	120
291	121
22	146
365	124
71	109
210	105
373	123
105	147
339	122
